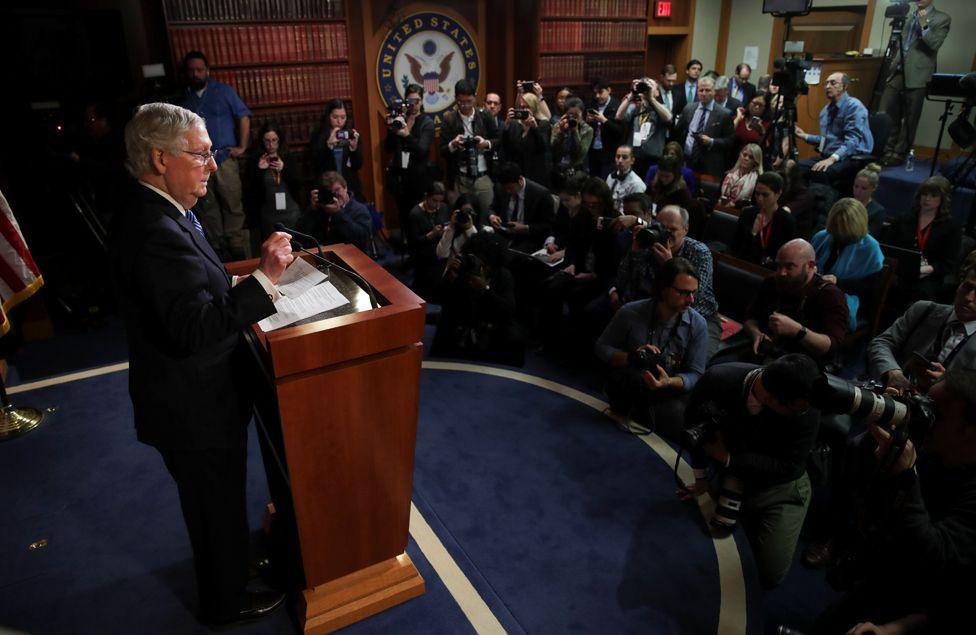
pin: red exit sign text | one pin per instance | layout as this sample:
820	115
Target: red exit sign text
662	8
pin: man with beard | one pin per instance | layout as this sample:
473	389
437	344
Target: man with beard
229	125
797	311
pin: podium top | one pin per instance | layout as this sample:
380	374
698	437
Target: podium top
349	332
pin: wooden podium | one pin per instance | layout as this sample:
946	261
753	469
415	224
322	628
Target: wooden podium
338	430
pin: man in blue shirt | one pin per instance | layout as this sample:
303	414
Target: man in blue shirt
656	350
844	132
229	126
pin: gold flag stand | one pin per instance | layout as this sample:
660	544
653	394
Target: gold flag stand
15	421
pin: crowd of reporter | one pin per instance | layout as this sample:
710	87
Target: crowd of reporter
582	230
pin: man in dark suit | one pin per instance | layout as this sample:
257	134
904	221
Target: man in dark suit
668	97
467	137
910	70
706	132
607	131
687	91
722	96
523	210
739	86
189	365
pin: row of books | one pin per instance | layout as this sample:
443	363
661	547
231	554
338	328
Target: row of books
580	36
288	84
252	10
579	69
295	125
234	45
595	8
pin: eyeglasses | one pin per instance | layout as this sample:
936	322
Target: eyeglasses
204	157
685	293
834	82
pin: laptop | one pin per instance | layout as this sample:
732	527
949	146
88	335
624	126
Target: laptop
909	261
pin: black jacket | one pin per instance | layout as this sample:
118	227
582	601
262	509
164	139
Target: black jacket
612	132
416	145
538	214
322	160
190	372
482	125
711	159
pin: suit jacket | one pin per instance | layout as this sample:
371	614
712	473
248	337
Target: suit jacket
916	331
190	371
680	98
483	125
748	90
919	63
710	159
612	132
732	104
538	214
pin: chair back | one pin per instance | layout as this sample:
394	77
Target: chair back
880	125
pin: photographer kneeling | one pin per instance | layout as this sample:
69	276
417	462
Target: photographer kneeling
656	350
918	521
756	426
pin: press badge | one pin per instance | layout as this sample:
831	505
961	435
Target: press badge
643	133
280	201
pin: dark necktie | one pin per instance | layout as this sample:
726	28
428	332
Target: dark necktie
190	216
832	111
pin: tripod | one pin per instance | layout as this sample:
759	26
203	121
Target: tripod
884	75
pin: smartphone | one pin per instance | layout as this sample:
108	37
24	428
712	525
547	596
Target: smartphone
921	359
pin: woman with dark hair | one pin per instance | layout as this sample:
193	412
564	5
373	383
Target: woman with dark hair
929	228
334	146
764	228
408	138
477	297
751	122
272	183
674	149
668	188
425	226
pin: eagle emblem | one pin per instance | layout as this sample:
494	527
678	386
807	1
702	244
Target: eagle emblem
431	80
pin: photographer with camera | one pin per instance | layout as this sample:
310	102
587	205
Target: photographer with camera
649	121
477	297
656	350
756	426
522	211
797	311
910	68
334	146
571	139
525	139
916	351
844	132
459	228
409	135
467	136
425	228
334	216
918	519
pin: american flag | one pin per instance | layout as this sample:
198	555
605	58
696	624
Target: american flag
19	275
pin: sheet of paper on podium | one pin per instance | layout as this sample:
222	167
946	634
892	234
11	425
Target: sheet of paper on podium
298	278
320	298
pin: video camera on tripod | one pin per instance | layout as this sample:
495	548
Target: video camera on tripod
790	76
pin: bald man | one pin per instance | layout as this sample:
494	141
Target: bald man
797	311
844	132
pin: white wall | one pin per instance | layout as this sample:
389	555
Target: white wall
704	42
749	27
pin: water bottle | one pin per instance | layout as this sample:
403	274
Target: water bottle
910	161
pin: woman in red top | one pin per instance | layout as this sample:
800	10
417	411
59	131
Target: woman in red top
750	122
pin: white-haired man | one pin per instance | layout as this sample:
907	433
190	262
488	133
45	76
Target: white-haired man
188	363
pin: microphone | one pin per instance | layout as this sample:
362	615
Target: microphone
280	227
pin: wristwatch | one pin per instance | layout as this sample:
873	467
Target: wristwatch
801	334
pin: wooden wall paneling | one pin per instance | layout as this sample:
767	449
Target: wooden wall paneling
360	89
721	53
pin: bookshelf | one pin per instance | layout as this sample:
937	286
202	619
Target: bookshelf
583	39
285	58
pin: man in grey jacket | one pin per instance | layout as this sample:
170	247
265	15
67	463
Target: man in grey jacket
911	69
917	350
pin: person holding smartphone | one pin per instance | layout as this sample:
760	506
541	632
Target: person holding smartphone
272	183
334	146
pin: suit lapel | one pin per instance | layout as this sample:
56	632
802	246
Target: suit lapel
198	239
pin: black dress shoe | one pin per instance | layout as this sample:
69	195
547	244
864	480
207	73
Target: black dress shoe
257	604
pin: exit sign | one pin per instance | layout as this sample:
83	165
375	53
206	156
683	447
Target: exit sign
662	8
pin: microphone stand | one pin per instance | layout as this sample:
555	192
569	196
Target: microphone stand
329	264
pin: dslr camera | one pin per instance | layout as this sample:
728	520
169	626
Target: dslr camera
790	76
325	196
462	218
399	108
653	232
643	359
640	87
709	420
528	85
520	113
572	121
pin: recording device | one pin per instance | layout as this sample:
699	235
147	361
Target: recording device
790	76
571	121
528	85
520	113
325	196
399	108
643	359
640	87
922	359
905	417
463	219
898	10
653	232
709	418
343	135
471	265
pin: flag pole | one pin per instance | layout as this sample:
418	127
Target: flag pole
16	421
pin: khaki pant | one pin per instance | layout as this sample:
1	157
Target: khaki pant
221	211
773	518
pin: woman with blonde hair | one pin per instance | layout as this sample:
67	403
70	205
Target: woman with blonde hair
525	140
847	255
865	185
740	181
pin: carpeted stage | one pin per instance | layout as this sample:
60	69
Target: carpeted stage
532	513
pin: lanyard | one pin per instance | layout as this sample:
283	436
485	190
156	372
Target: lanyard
764	233
923	237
